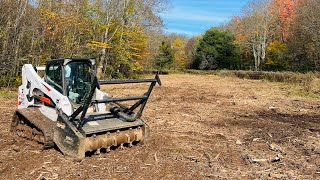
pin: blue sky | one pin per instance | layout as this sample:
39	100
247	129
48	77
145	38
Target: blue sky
192	17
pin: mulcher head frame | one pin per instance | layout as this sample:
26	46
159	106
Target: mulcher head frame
121	111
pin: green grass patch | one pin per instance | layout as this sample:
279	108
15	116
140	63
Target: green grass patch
7	93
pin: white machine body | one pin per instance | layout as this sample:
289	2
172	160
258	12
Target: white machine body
33	85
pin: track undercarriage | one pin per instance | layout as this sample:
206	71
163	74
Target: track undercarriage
32	125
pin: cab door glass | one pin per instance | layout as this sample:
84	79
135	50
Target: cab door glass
78	80
54	76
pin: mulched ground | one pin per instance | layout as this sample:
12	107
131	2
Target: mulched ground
201	127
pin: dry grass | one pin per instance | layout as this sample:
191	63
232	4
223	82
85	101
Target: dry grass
307	84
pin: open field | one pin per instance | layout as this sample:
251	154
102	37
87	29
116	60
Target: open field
202	126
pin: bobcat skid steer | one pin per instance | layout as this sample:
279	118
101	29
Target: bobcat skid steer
66	108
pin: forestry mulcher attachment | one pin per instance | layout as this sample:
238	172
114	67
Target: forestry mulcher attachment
66	108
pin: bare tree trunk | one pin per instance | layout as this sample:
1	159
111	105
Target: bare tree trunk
256	65
17	39
102	67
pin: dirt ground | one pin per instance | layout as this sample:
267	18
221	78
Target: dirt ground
202	127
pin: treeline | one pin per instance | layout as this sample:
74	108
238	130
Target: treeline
122	34
270	35
126	37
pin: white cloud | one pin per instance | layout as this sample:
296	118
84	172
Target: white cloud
183	32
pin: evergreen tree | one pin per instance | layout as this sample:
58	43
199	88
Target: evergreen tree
164	60
216	51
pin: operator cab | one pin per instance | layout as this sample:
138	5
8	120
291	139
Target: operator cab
71	77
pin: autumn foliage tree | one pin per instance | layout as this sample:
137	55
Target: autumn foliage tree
115	32
304	39
279	34
180	57
284	11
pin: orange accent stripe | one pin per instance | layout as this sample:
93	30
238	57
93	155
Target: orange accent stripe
45	100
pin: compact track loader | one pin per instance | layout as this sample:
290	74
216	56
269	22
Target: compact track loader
66	108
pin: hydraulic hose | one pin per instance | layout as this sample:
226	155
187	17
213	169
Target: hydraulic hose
130	118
